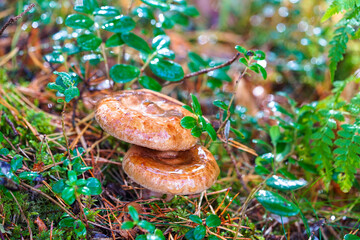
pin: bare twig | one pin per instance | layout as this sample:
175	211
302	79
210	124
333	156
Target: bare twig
203	71
15	19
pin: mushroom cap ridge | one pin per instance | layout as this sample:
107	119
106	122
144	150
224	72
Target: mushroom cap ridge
145	118
192	171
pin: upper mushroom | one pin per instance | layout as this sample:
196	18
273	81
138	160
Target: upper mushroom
145	118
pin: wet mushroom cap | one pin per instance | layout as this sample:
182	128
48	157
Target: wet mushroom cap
190	172
145	118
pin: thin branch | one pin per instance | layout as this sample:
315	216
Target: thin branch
11	124
203	71
15	19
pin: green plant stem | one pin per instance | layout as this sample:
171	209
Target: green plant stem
230	103
24	216
82	214
63	129
128	85
102	46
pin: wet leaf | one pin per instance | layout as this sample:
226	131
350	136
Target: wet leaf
199	232
147	226
351	237
68	194
59	186
54	57
86	6
16	162
78	21
150	83
211	131
157	4
119	24
160	41
79	228
188	122
84	190
196	105
66	222
122	73
195	219
106	11
166	70
276	204
285	184
114	41
136	42
71	93
94	185
88	42
133	213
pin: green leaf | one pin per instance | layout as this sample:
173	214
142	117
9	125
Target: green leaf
4	151
119	24
213	221
66	222
114	41
136	42
262	71
122	73
166	53
261	170
212	237
244	61
16	162
141	237
196	105
259	55
163	6
72	176
167	70
79	228
150	83
127	225
106	11
351	237
274	134
160	41
28	175
199	232
195	219
94	185
188	122
285	184
221	104
240	49
78	21
86	6
188	108
133	213
147	226
276	204
211	131
237	133
54	57
88	42
71	93
1	137
68	194
84	190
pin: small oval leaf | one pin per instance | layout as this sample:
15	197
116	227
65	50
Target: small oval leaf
122	73
78	21
276	204
285	184
88	42
119	24
167	70
150	83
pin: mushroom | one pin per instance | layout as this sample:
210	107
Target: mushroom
164	157
190	172
145	118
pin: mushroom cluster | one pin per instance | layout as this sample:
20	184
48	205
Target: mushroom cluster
165	157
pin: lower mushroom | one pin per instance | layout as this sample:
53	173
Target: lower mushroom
183	173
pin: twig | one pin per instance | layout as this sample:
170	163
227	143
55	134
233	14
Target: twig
203	71
15	19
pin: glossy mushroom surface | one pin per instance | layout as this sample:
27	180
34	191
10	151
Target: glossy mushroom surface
145	118
188	172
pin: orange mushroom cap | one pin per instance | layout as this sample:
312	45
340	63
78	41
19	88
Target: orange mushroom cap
188	172
145	118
